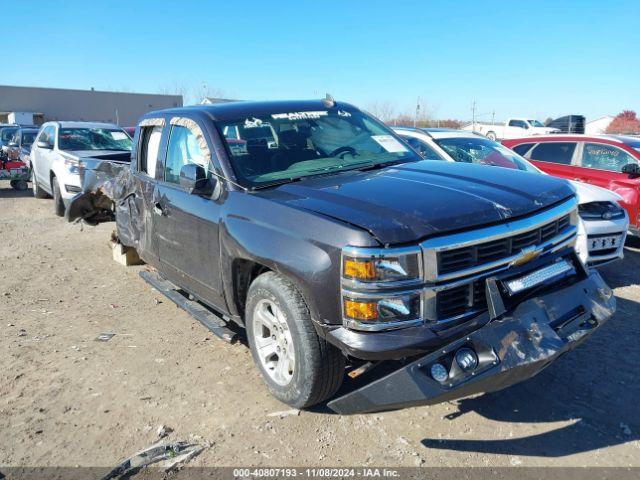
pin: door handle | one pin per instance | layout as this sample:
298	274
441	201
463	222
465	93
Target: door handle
157	207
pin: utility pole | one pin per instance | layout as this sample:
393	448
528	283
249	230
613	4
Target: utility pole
415	119
493	117
473	115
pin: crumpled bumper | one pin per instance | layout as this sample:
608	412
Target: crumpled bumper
510	349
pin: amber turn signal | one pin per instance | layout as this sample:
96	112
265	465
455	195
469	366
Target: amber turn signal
361	310
362	270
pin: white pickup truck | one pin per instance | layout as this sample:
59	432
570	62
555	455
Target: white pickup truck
512	128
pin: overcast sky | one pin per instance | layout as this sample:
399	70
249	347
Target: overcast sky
535	59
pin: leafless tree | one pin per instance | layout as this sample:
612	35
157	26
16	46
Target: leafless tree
384	110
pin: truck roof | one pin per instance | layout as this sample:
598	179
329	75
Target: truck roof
69	124
234	110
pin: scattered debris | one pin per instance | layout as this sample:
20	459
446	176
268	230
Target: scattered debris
294	412
22	333
515	461
113	305
146	397
163	431
105	337
175	455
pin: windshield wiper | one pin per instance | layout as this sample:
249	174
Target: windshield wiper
378	166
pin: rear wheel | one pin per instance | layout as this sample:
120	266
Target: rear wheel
58	204
298	367
492	136
20	185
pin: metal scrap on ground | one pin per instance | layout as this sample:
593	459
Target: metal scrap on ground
173	454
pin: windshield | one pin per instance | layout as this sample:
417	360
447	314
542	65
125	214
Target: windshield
28	138
7	134
535	123
285	146
484	152
93	139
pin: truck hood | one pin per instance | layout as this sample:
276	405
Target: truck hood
412	201
98	155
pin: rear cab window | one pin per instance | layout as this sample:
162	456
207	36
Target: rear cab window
149	147
554	152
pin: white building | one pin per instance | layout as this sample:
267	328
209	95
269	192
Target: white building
598	126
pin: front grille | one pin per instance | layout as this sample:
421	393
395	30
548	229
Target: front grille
467	257
461	300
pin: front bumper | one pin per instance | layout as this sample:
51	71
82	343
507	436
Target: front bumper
510	349
601	241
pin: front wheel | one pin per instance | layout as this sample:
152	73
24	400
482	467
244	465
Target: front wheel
492	136
58	204
299	368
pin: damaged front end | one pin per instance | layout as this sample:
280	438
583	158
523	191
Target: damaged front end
106	195
524	335
100	189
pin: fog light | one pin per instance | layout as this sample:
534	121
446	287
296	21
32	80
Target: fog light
439	372
466	359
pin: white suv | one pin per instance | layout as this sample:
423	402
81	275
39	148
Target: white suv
62	149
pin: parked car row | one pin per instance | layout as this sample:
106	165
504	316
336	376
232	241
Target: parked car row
603	222
608	161
336	245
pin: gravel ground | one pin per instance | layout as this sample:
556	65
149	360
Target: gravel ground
68	400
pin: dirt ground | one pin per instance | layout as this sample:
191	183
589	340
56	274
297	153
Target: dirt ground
67	400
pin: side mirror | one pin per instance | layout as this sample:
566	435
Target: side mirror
193	178
632	169
42	144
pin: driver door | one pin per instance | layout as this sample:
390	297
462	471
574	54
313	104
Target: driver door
188	224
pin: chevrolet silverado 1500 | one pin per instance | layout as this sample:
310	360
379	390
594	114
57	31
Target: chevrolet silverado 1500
334	245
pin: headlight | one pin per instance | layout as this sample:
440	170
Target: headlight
72	165
379	266
600	211
374	288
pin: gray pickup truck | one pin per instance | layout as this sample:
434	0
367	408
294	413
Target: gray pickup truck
337	247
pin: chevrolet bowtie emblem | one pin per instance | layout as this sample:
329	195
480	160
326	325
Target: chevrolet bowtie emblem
526	255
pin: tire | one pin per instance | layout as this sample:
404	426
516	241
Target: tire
37	191
492	136
318	367
20	185
58	204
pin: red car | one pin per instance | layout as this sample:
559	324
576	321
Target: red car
608	161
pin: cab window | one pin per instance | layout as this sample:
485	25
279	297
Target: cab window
149	147
517	123
605	157
183	149
554	152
